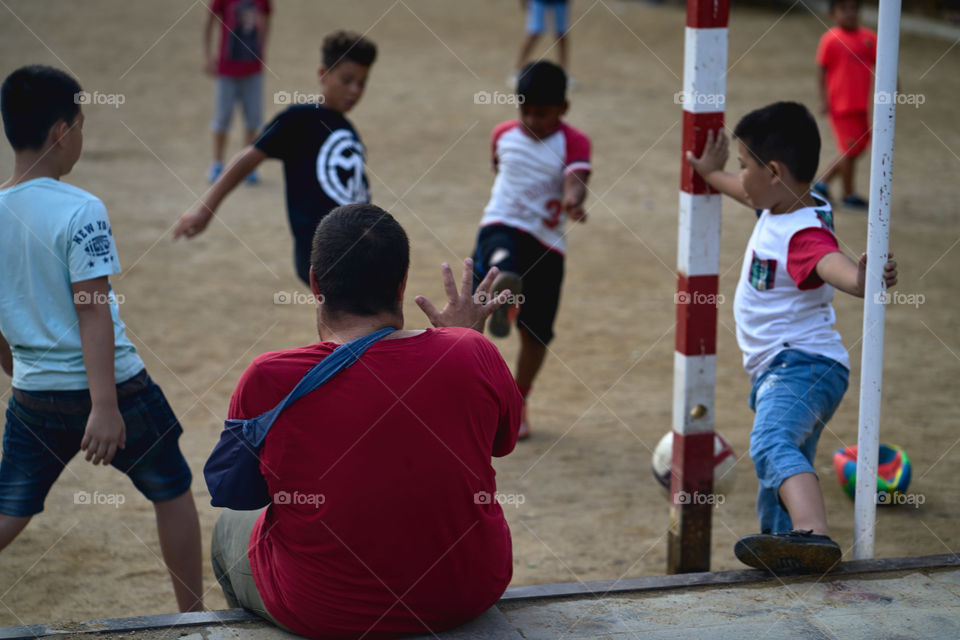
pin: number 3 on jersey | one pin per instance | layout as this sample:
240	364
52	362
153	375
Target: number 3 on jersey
554	209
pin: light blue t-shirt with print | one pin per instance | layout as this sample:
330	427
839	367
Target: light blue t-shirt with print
52	235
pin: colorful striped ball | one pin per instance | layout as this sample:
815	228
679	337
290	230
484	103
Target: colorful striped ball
893	469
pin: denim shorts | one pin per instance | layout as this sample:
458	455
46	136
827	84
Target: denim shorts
537	16
44	430
793	399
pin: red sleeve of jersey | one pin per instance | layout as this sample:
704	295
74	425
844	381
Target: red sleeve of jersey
216	7
267	7
824	55
807	247
578	150
498	131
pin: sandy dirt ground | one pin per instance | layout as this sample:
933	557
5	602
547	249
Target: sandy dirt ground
200	311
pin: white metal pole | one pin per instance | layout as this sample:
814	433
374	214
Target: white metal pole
878	236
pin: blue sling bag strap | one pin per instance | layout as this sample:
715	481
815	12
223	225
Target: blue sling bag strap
232	471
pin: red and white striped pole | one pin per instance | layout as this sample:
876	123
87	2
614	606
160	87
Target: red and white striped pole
698	260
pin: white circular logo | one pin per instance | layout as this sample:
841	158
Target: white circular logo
340	168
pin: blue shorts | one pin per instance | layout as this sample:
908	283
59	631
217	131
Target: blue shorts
793	400
537	16
44	430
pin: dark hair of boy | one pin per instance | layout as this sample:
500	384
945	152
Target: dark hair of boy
33	99
359	258
347	45
834	3
785	132
542	83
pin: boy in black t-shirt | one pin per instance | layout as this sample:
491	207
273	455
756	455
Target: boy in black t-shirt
323	157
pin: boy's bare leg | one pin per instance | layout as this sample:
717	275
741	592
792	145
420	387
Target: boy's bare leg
530	359
529	40
179	530
804	502
219	145
564	51
10	528
845	166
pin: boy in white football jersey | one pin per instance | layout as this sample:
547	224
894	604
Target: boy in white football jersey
797	363
542	167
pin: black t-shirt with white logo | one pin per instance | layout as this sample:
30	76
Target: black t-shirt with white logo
323	161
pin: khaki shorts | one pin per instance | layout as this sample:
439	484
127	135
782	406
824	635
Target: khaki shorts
231	562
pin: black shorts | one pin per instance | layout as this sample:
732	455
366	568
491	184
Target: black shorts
540	268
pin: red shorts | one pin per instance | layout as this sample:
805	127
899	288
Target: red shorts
851	131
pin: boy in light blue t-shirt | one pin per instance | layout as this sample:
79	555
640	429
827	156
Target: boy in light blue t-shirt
78	383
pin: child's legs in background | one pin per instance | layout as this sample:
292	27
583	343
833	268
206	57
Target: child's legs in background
793	400
561	24
226	93
536	19
851	132
251	100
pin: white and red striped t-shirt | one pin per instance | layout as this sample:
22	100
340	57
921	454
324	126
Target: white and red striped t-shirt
528	191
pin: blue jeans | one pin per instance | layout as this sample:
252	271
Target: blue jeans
793	400
45	428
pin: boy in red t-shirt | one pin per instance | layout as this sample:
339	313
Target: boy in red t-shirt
238	67
846	55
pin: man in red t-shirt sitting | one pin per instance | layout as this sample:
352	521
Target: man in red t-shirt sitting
384	519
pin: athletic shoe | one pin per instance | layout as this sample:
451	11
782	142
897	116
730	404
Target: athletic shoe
800	551
252	178
855	202
821	187
524	432
216	168
506	314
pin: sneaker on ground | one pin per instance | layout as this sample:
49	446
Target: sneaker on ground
854	201
789	551
502	318
216	168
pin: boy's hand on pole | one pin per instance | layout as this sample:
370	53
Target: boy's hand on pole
105	433
714	155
